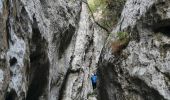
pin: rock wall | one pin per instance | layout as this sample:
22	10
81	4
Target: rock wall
140	71
48	49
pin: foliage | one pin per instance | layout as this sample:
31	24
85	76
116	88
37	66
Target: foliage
107	11
95	4
121	43
122	35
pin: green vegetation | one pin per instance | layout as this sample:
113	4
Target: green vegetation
106	12
121	43
122	35
123	38
95	4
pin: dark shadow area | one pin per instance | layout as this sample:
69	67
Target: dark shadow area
111	77
39	69
12	95
140	87
164	48
65	39
165	30
12	61
107	85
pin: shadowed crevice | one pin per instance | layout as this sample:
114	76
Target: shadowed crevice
165	30
39	69
139	87
112	77
66	37
12	95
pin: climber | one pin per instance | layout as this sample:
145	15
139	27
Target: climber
94	80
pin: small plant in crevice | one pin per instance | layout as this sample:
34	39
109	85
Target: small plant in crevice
121	43
122	35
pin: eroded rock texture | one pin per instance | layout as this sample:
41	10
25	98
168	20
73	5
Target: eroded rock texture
50	48
141	70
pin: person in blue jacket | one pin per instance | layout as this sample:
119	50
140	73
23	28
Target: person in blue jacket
94	80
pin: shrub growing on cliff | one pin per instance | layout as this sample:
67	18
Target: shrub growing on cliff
95	4
120	43
122	35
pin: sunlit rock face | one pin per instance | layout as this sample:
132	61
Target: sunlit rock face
141	70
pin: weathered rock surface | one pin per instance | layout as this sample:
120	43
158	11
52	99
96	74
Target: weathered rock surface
50	48
141	70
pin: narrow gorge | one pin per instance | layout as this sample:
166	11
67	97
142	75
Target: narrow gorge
50	49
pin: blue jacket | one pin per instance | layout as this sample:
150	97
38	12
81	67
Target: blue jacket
94	79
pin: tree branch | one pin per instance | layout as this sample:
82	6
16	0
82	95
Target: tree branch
94	18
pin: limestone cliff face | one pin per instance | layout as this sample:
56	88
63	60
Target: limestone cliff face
50	48
141	69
